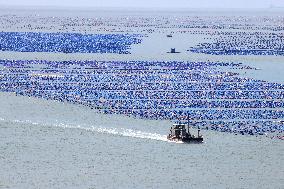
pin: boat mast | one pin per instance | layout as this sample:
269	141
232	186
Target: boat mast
188	122
198	132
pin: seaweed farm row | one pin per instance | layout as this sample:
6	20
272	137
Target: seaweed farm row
243	43
211	98
145	23
68	42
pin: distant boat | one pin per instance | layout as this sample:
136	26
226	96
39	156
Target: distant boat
169	35
173	50
179	133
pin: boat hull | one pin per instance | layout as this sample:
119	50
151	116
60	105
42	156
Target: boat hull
187	140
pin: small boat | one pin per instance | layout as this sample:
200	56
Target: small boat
173	50
179	133
169	35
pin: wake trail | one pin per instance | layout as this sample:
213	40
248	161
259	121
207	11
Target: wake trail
99	129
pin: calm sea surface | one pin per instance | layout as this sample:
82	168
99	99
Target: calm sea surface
46	144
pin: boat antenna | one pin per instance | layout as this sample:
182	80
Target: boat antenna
188	122
198	131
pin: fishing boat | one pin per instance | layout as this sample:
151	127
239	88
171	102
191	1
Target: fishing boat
173	50
179	133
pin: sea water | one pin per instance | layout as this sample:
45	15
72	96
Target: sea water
48	144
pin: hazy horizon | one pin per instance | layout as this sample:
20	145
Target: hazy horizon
148	4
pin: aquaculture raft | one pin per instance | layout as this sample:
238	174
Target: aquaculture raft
178	132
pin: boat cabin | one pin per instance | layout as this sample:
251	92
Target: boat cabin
179	131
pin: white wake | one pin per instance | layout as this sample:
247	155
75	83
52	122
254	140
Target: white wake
100	129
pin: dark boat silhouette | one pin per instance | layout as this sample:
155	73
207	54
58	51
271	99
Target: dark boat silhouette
173	50
179	133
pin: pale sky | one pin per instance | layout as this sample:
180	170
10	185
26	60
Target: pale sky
148	3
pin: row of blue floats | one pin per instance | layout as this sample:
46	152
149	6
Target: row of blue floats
213	99
68	42
243	43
